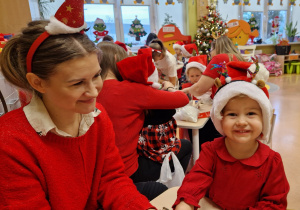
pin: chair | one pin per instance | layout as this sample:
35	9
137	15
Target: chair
247	51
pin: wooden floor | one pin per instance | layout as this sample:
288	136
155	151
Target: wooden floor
286	134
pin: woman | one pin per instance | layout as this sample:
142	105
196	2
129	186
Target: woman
125	102
222	50
58	152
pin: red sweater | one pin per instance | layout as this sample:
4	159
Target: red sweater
125	103
54	172
213	73
258	182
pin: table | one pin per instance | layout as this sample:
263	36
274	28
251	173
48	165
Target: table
167	199
195	129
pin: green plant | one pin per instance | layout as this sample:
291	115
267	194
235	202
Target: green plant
291	30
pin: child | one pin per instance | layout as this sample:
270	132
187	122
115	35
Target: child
164	61
188	51
237	171
177	48
59	152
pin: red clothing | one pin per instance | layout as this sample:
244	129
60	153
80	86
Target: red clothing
217	59
186	85
125	103
55	172
258	182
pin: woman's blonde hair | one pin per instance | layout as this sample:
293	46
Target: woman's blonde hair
157	45
52	52
223	45
112	53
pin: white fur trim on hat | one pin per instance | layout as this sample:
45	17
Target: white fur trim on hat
185	52
252	91
153	77
56	27
194	64
177	46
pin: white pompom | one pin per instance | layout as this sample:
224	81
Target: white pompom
228	79
156	85
254	81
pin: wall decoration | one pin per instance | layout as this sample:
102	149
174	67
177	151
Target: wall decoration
239	32
180	1
225	1
100	31
247	2
292	2
139	2
281	4
168	20
137	29
104	2
211	26
253	25
170	34
270	2
258	2
156	2
89	2
170	2
236	2
275	26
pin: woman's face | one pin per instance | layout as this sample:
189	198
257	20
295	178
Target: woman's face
74	86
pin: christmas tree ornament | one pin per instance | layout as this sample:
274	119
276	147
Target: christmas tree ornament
246	2
292	3
270	2
236	2
68	19
99	27
170	2
137	29
139	2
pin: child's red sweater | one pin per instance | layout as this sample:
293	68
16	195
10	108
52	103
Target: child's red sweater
55	172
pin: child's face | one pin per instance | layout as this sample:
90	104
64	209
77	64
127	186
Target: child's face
194	75
242	120
178	51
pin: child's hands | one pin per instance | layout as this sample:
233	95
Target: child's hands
184	206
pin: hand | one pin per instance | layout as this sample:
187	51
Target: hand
166	85
184	206
186	90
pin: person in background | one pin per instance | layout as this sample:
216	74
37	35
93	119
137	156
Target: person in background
107	38
164	61
237	171
177	47
126	100
150	37
222	50
59	152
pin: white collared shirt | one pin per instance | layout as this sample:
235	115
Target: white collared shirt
39	118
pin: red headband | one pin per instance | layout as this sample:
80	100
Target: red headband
33	48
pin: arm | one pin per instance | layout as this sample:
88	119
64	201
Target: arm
196	183
173	80
274	192
116	190
201	87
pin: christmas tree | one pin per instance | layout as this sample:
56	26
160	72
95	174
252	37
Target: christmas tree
137	29
253	23
211	27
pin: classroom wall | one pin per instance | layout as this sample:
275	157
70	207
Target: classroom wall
192	17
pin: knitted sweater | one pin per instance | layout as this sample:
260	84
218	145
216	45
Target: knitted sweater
125	103
55	172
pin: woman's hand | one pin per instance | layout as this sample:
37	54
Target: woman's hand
166	85
186	90
184	206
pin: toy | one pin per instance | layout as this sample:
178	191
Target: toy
270	2
170	34
139	1
170	2
239	31
292	2
247	2
236	2
275	25
100	31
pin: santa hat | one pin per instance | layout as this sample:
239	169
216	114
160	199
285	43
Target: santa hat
99	20
236	80
137	68
121	44
68	19
196	62
187	50
177	45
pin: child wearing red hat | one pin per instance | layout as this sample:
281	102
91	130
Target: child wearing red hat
237	171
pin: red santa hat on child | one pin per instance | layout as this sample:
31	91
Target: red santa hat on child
237	79
178	45
68	19
196	62
187	50
137	68
121	44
